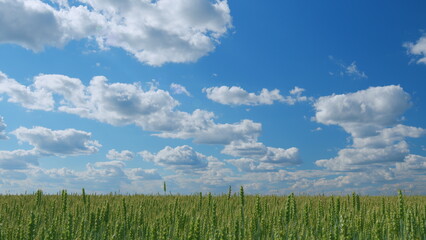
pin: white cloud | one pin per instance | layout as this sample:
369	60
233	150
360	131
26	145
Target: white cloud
59	142
361	158
181	158
203	129
389	136
259	151
28	97
296	96
255	156
179	89
18	159
412	162
250	149
142	174
238	96
371	117
364	112
47	142
154	32
34	24
251	165
282	156
124	155
71	89
316	129
124	104
2	128
350	70
417	49
101	177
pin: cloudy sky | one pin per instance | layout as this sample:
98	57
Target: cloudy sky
278	96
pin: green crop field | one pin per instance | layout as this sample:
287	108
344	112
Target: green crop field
198	216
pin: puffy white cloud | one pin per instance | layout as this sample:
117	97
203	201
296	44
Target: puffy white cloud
2	128
142	174
361	158
182	158
282	156
371	117
20	19
116	103
58	142
364	112
296	96
47	142
251	165
18	159
124	155
389	136
124	104
238	96
412	163
28	97
203	129
255	156
250	149
34	24
417	49
259	151
216	177
179	89
71	89
154	32
101	177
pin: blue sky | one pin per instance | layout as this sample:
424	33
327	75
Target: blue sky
285	96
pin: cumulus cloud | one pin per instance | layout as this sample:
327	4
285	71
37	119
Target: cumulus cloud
18	159
124	104
360	158
372	119
47	142
58	142
179	89
124	155
411	163
2	128
154	32
364	112
255	156
53	27
296	96
238	96
203	129
260	152
142	174
251	165
101	177
28	97
417	49
182	158
389	136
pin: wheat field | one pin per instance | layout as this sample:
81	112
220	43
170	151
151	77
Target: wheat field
206	216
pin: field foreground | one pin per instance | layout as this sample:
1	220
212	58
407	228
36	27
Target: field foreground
230	216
